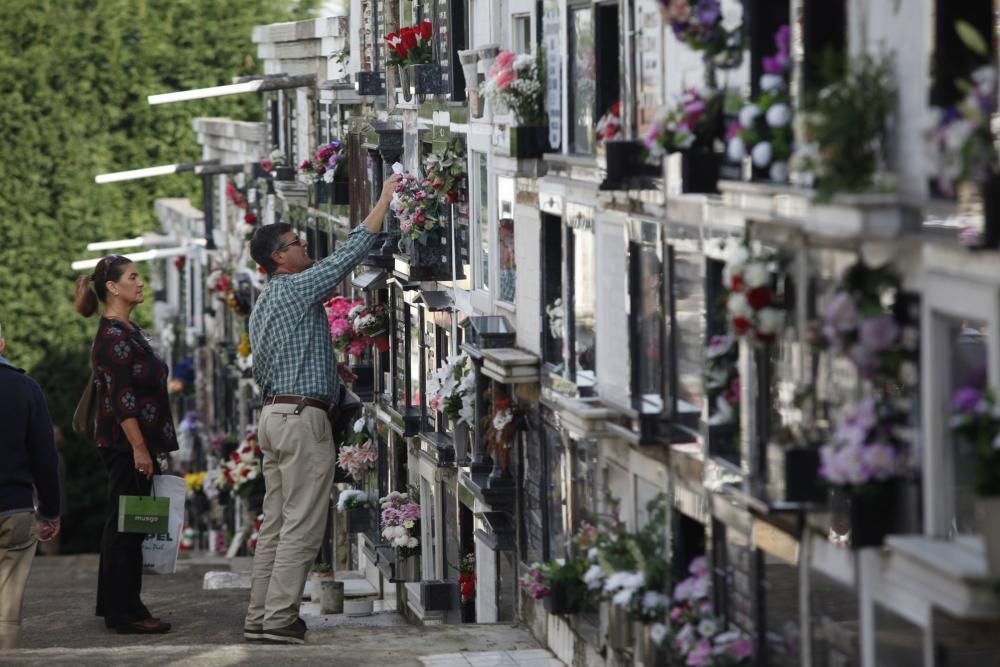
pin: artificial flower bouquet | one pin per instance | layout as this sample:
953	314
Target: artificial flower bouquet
400	522
975	418
345	338
446	173
609	126
764	126
451	389
357	456
692	123
693	632
722	379
467	578
420	213
242	471
559	583
518	82
194	482
698	23
752	303
327	164
411	45
275	159
372	323
352	499
868	321
868	447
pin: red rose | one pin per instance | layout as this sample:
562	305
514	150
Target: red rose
759	298
425	30
409	36
736	283
179	262
401	50
261	269
740	325
250	218
765	337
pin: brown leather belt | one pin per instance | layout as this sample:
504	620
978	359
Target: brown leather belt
300	401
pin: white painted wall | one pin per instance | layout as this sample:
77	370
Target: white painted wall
612	314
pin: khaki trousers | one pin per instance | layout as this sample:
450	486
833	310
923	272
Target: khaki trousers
299	460
18	539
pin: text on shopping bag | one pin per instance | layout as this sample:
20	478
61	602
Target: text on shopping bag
143	514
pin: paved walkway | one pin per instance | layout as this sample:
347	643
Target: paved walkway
60	628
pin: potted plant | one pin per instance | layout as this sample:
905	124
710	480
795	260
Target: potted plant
691	128
331	591
845	129
964	146
410	49
518	82
327	171
400	527
866	457
976	423
764	129
559	584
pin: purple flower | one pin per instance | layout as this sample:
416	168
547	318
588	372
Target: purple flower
879	333
782	39
694	108
966	399
840	316
776	64
708	11
865	359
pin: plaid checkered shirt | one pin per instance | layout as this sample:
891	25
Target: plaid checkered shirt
289	332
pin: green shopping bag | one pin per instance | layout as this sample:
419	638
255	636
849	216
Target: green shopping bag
143	514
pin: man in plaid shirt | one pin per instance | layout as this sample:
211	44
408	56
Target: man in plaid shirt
295	367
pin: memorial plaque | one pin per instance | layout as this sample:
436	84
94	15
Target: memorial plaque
552	41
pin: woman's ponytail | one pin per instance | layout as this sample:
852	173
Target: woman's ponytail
85	300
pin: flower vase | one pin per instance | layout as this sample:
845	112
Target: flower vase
469	59
425	79
468	611
358	519
528	143
404	81
648	652
991	212
871	514
460	439
620	635
340	192
700	171
563	598
802	483
988	520
407	568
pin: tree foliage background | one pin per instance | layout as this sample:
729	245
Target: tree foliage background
74	76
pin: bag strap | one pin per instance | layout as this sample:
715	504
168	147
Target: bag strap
152	487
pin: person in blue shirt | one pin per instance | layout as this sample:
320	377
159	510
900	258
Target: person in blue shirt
30	463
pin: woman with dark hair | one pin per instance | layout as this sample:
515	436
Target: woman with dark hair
133	425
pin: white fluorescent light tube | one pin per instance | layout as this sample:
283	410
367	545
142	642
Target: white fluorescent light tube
134	174
202	93
112	245
83	264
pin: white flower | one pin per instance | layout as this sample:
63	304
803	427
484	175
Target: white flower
736	149
755	274
738	305
748	114
522	61
770	320
908	373
778	115
996	442
594	577
658	632
623	597
762	154
501	419
778	172
737	255
771	82
359	425
398	168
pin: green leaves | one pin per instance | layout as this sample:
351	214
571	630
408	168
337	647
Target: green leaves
972	39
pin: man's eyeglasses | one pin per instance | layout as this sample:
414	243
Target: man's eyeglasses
284	246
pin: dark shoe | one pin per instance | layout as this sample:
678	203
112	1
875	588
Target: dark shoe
150	626
294	633
253	633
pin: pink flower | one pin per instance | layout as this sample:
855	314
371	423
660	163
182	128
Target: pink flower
701	655
505	78
339	327
356	348
266	165
741	649
505	59
733	130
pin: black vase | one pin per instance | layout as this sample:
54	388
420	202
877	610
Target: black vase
563	598
700	172
627	168
284	173
425	79
802	484
872	512
321	192
530	142
430	260
340	192
991	212
359	519
468	610
369	83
